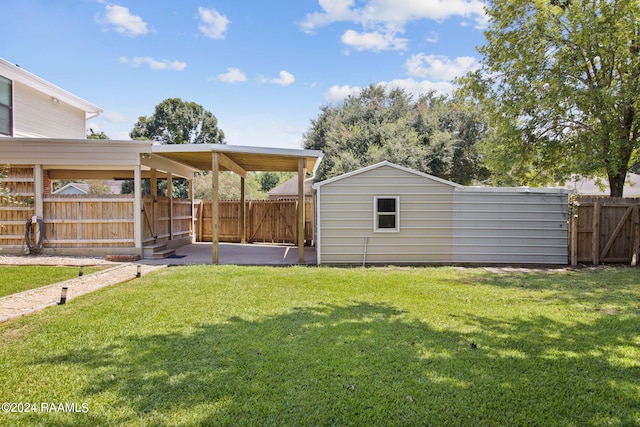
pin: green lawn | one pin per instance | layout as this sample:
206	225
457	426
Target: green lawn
15	279
252	346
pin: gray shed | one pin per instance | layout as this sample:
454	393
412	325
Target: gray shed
389	214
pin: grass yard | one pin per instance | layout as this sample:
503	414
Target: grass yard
15	279
251	346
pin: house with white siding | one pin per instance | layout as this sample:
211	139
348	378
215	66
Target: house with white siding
389	214
31	107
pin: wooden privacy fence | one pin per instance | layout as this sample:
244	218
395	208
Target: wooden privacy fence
13	216
605	230
88	221
267	221
165	219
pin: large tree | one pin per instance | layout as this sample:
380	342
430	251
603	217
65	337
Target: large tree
432	134
560	82
175	121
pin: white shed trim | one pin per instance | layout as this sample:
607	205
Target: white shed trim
392	165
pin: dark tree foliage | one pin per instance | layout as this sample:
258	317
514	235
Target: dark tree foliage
432	134
180	187
93	135
268	181
175	121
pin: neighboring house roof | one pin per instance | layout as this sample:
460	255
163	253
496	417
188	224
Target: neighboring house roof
73	188
16	73
393	165
288	189
591	187
81	188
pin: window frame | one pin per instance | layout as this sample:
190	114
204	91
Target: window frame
377	214
9	107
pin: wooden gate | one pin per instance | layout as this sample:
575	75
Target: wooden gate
165	219
267	221
605	230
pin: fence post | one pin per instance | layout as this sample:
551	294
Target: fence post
574	235
635	221
595	238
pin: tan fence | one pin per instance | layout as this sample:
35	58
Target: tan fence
15	214
268	221
89	221
166	219
605	230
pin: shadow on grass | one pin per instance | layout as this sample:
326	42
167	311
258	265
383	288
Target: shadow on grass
364	364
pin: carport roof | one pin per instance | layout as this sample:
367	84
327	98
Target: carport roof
256	159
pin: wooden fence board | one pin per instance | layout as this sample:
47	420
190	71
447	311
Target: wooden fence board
605	230
78	221
13	217
267	221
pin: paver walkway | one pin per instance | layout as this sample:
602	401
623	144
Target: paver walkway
33	300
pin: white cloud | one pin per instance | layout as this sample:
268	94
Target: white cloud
433	37
391	13
153	63
213	25
285	79
114	117
374	41
337	94
124	22
233	75
417	88
332	11
438	67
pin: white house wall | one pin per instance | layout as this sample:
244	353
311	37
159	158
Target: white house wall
38	115
510	227
345	214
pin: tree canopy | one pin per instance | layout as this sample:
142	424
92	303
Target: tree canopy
175	121
560	83
432	134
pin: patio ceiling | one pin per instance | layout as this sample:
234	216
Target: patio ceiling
256	159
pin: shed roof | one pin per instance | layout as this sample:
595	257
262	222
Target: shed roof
16	73
457	187
392	165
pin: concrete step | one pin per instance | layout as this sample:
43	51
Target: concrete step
163	253
157	251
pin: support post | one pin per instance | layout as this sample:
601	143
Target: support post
302	171
38	190
243	213
153	183
170	195
38	199
137	208
153	186
193	218
215	210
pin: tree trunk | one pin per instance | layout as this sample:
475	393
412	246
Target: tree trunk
616	183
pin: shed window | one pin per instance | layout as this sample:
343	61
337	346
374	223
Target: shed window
386	214
6	115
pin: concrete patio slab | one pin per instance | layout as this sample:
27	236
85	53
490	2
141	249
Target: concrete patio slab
237	254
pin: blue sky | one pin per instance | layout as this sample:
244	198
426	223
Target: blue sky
263	68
